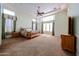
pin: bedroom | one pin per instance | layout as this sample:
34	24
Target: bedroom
26	17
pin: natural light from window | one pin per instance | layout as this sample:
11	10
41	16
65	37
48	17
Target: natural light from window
49	18
34	20
48	23
8	25
5	11
47	27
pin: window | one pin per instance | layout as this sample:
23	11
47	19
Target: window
50	25
34	20
8	25
44	27
47	23
47	27
34	24
5	11
49	18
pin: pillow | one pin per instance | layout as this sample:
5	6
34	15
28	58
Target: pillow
23	32
28	30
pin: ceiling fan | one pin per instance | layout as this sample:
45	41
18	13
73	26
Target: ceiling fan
40	13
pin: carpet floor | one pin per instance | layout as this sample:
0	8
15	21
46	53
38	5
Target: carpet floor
43	45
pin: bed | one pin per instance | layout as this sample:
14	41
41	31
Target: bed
28	33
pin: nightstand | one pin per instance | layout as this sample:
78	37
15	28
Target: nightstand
15	34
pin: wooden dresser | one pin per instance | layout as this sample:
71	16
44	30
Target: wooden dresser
68	42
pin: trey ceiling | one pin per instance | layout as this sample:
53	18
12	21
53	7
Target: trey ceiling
31	8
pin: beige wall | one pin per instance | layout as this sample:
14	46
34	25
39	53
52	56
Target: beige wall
23	21
61	23
74	12
0	29
0	24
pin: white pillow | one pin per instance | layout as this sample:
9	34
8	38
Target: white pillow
28	30
23	32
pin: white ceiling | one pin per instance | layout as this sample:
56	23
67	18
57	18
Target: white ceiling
31	8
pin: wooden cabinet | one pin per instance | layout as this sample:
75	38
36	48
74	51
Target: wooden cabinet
68	42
